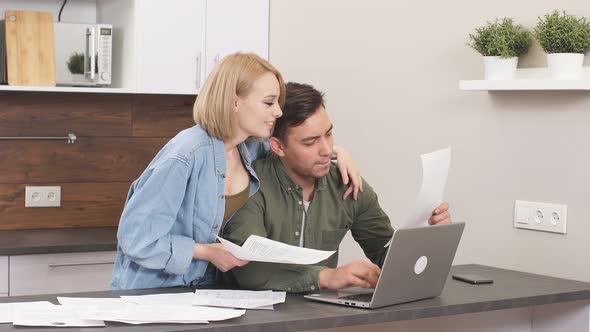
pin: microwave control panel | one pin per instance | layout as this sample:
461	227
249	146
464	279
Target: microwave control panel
105	51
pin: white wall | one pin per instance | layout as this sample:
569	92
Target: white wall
391	70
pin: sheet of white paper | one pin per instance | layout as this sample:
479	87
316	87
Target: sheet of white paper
56	316
91	302
162	314
435	169
7	309
237	298
181	299
112	306
260	249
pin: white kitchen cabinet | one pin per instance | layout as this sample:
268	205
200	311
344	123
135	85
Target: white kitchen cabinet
170	45
3	275
236	25
164	47
60	273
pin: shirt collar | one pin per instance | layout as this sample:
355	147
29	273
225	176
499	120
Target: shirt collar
219	157
287	183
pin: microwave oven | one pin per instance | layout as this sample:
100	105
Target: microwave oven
74	45
83	54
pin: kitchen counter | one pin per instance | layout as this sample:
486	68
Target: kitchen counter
67	240
509	300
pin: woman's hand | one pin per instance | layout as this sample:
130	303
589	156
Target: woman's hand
217	255
349	172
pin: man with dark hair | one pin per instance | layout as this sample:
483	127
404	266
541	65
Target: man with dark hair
300	203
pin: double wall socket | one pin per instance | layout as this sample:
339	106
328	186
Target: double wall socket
540	216
42	196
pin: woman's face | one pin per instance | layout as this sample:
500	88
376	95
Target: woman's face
256	112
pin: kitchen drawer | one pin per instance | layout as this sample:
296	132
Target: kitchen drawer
4	275
60	273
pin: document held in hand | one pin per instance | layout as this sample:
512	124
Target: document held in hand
260	249
435	169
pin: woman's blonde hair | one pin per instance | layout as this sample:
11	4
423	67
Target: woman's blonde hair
233	76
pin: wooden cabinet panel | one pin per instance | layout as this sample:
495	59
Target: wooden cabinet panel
60	273
118	135
162	115
3	275
90	159
82	205
57	114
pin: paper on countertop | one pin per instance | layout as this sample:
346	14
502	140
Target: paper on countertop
260	249
90	302
7	309
55	316
238	298
435	169
140	314
181	299
118	308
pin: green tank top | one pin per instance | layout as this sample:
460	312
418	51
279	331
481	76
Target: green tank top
234	202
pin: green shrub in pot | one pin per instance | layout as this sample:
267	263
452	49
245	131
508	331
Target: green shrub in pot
566	39
501	38
501	42
563	33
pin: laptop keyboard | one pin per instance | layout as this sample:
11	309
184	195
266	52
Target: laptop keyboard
358	297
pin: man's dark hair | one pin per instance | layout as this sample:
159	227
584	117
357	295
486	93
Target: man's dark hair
301	102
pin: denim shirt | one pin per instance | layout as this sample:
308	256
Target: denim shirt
176	202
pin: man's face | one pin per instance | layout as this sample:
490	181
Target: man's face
308	147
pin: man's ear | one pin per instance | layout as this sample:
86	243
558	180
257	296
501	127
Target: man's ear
277	146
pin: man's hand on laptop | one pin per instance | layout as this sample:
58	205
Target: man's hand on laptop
359	273
440	215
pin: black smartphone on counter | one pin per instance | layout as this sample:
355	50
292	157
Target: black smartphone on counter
474	279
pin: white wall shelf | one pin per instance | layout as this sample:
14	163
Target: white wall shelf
64	89
529	79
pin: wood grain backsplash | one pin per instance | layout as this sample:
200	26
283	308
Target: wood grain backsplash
117	137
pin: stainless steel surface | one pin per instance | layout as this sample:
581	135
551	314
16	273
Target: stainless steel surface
71	138
80	264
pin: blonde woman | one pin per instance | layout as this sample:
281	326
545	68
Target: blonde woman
192	187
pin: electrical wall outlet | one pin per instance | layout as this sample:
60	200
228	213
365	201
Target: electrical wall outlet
538	216
42	196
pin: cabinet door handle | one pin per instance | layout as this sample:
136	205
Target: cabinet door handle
80	264
198	81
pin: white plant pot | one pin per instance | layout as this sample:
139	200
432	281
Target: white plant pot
497	68
565	66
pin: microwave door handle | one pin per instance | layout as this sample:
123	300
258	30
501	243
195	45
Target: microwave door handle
86	50
91	51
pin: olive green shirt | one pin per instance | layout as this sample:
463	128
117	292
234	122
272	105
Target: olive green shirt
276	212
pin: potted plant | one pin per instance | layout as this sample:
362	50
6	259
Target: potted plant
501	43
76	66
566	39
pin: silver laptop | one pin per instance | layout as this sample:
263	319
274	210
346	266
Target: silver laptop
416	267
